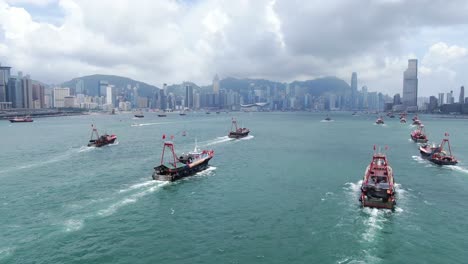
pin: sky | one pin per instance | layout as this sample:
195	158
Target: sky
171	41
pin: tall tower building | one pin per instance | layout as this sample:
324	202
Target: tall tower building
354	92
109	95
461	99
188	96
59	96
216	84
102	88
15	92
79	87
4	78
441	99
410	85
26	85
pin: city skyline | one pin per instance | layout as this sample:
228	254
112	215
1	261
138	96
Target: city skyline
197	39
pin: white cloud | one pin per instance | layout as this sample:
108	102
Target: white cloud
173	41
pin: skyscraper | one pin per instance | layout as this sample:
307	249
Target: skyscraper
109	95
441	99
216	84
59	96
4	78
354	92
26	86
410	85
102	88
188	96
15	93
461	99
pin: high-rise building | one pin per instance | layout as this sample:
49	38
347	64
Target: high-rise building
38	93
59	96
4	78
441	99
15	92
26	86
188	96
450	98
432	104
410	85
365	103
79	87
354	92
396	99
102	88
109	95
461	99
216	84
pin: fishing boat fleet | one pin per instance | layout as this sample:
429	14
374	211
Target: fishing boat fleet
173	167
378	185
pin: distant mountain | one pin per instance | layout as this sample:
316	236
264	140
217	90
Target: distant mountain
324	85
91	84
314	87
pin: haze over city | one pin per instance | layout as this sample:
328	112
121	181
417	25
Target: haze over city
175	41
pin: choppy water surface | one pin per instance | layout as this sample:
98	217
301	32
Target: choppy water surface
286	194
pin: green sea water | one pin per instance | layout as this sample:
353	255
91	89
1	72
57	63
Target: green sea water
286	194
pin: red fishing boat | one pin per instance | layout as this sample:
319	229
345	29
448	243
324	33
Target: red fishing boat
418	135
102	140
237	132
179	167
25	119
417	122
379	121
439	155
403	120
378	187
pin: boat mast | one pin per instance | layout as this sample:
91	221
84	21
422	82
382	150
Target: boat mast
94	131
234	124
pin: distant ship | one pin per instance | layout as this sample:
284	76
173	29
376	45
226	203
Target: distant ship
379	121
403	120
139	115
237	132
102	140
183	166
437	154
378	186
162	115
418	135
417	122
25	119
207	113
182	113
328	118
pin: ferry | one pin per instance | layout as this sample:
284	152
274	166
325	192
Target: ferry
437	154
418	135
237	132
378	186
25	119
102	140
180	167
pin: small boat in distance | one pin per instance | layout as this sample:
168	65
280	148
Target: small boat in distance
437	154
403	120
417	122
183	166
25	119
418	135
162	115
102	140
378	186
328	118
207	112
379	121
139	114
184	133
182	113
237	132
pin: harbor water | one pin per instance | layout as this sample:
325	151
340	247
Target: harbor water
288	193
